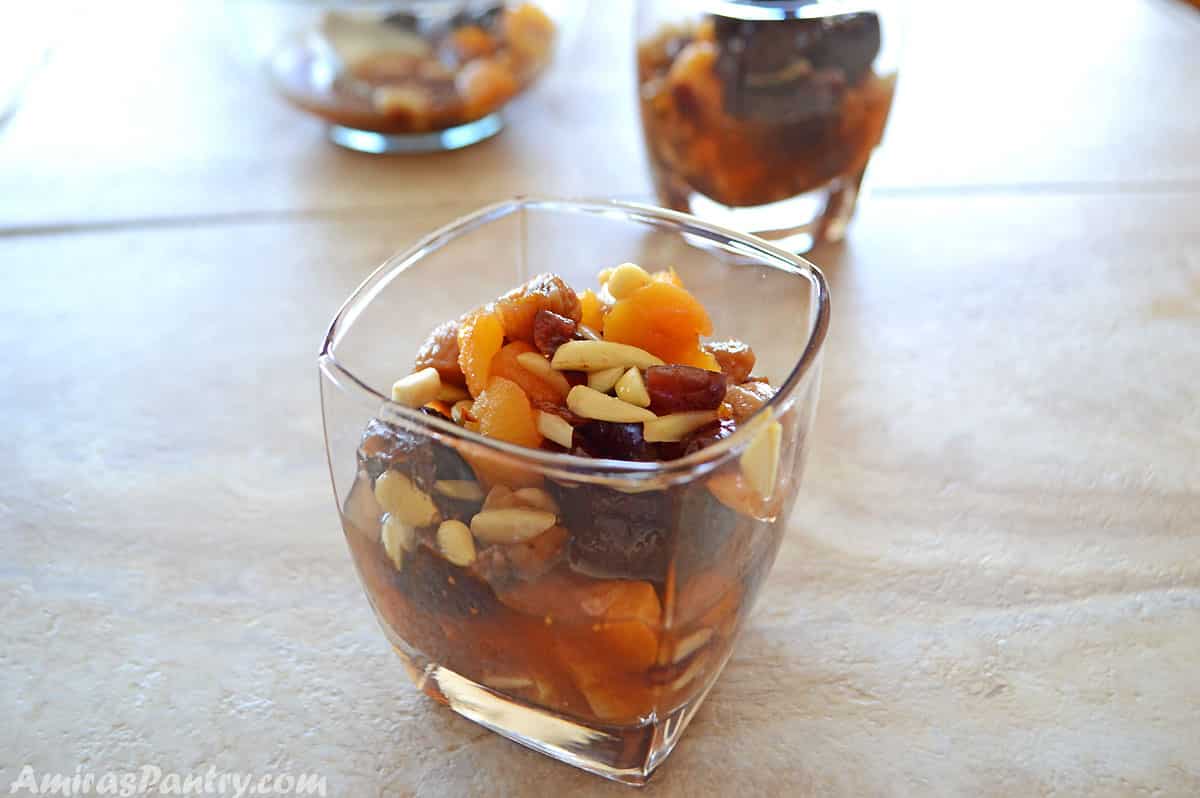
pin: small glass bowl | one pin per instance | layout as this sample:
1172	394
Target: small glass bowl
599	657
406	75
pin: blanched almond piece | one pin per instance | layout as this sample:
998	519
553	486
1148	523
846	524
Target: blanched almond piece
417	389
590	403
462	489
537	498
760	460
600	355
515	525
498	498
625	279
605	381
451	394
539	366
455	542
397	538
588	333
400	497
556	428
691	644
631	388
676	426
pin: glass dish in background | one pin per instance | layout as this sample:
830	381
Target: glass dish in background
600	656
406	75
762	116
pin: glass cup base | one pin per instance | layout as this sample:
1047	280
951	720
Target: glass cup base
797	224
626	754
452	138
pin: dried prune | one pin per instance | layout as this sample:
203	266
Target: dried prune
550	331
387	446
735	358
703	529
437	586
674	389
615	534
519	306
613	441
440	351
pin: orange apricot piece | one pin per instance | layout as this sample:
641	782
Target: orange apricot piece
480	336
504	364
592	310
665	320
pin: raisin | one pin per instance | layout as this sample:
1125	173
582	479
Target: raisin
615	534
550	331
674	389
747	398
440	351
613	441
699	439
387	446
440	588
519	306
735	358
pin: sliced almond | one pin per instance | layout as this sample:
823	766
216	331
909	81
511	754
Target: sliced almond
625	279
676	426
760	460
600	355
556	428
467	490
539	366
417	389
397	494
450	394
515	525
397	538
604	381
537	498
590	403
587	332
691	644
631	388
460	413
455	542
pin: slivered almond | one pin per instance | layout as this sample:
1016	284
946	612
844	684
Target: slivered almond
417	389
556	428
590	403
498	498
600	355
467	490
625	279
508	682
539	366
455	542
604	381
631	388
451	394
537	498
397	538
587	332
515	525
676	426
691	644
460	413
760	460
397	494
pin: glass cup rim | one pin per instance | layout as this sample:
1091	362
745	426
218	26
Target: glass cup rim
569	465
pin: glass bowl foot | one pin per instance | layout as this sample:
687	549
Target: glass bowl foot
452	138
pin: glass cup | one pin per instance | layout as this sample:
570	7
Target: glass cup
598	646
762	116
405	75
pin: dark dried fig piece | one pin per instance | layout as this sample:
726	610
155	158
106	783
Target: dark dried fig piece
617	535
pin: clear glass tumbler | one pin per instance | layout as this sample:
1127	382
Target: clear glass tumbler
762	114
601	658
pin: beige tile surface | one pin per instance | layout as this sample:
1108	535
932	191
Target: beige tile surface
991	586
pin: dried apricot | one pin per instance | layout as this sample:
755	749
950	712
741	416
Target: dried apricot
504	413
519	307
665	320
480	336
485	84
668	275
505	365
440	351
592	310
